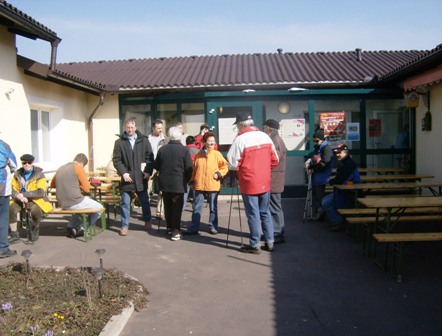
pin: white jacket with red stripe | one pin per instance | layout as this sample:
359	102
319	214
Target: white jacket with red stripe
252	155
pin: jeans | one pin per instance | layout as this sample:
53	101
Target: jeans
86	203
198	204
4	226
277	214
328	204
188	193
257	212
125	207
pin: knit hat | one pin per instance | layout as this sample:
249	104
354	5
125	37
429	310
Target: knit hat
272	123
242	116
27	158
319	134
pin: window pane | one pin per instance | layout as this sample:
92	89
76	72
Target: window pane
168	114
141	115
34	134
45	135
192	116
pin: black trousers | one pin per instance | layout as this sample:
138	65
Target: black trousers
318	192
173	209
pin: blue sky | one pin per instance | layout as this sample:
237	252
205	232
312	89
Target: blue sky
93	30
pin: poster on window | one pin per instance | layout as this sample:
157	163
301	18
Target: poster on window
333	124
292	132
374	128
353	132
227	131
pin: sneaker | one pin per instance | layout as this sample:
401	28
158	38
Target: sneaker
123	232
176	237
278	239
213	231
147	225
8	253
336	227
250	249
15	238
80	233
268	247
71	233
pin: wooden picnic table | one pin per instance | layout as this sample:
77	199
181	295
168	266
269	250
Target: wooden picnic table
394	177
411	186
379	170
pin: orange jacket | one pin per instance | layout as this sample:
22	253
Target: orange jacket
207	163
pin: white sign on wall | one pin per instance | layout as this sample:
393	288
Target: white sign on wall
292	131
227	131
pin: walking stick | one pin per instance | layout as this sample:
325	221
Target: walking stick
308	211
234	184
24	213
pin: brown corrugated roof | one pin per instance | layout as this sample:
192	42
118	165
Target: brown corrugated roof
252	70
23	24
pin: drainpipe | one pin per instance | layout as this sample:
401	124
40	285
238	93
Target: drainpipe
90	131
54	46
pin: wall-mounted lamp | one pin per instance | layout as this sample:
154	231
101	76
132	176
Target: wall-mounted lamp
248	90
283	107
211	111
295	89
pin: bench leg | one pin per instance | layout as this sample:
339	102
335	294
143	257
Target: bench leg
400	249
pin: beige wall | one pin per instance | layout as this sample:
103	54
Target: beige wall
428	156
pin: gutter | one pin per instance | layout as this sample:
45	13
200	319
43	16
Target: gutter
90	131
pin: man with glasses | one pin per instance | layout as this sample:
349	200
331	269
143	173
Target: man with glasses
28	193
320	165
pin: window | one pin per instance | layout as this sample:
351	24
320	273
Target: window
40	135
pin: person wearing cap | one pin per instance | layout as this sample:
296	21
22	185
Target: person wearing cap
71	185
253	155
346	172
320	165
28	192
271	128
8	164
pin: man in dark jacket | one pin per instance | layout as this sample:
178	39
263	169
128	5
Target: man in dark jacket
271	128
320	165
347	172
174	164
133	159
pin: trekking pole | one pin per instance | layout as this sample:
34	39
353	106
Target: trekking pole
308	200
24	213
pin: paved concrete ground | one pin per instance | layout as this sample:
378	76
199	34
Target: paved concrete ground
317	283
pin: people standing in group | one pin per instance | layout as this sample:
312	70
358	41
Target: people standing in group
319	165
29	186
209	167
72	185
253	155
271	128
190	145
8	164
133	159
346	172
156	139
174	166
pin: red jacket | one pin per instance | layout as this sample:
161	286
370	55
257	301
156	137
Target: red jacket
253	156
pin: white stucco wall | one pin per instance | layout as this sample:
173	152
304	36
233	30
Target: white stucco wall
428	156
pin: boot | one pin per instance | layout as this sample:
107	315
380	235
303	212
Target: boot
35	232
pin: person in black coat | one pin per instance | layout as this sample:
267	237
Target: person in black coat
133	160
174	164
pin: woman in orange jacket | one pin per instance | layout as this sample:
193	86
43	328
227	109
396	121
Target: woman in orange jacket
209	167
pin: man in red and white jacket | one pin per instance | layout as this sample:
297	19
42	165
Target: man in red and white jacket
253	155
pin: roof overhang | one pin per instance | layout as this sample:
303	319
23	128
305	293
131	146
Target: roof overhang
427	78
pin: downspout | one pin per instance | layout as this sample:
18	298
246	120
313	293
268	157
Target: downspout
90	131
54	46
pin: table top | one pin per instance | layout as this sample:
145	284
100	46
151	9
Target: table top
388	185
393	177
400	202
379	170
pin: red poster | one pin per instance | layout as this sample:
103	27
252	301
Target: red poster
374	128
333	124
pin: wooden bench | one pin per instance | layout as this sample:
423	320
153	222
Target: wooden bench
89	230
401	241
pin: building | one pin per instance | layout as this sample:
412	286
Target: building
357	96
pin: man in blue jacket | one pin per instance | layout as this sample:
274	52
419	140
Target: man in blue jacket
346	172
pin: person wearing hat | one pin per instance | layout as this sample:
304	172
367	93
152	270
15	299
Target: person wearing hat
347	171
320	165
8	164
199	137
28	192
253	156
271	128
